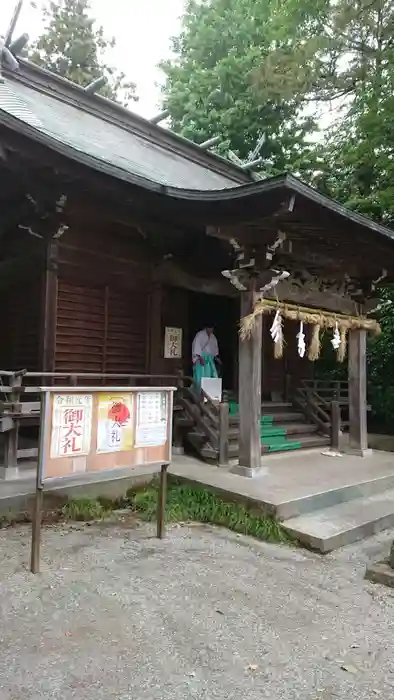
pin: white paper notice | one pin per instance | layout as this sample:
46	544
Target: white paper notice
152	419
71	425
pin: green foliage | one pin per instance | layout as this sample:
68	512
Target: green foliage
83	509
73	47
381	365
223	79
356	161
192	503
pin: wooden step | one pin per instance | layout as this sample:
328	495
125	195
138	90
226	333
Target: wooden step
198	440
287	417
304	442
273	406
278	418
184	421
300	428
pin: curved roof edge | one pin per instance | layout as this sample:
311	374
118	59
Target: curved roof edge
239	192
43	80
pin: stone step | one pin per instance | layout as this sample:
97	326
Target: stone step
337	526
307	505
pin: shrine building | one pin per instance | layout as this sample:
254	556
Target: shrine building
119	240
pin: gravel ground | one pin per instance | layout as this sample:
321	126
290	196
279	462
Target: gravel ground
204	614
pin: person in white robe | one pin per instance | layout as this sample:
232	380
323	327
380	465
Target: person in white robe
204	343
205	350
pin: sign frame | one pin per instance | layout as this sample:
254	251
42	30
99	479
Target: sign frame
133	460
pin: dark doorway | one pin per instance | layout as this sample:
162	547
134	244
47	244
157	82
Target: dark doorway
223	313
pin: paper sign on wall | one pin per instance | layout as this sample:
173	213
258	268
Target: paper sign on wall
71	425
173	343
115	422
152	419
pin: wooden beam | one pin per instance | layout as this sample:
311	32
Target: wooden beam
309	296
170	273
358	392
250	392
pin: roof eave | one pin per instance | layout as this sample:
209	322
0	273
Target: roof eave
101	107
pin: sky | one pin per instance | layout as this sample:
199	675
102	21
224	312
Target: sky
142	29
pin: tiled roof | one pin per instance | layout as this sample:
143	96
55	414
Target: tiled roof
104	140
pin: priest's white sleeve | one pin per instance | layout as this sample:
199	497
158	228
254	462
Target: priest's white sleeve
197	346
214	346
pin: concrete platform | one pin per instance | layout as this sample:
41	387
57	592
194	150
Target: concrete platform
327	502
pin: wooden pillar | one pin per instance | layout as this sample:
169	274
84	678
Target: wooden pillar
250	392
358	392
49	308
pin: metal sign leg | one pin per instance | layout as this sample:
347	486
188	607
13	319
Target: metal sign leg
161	504
36	532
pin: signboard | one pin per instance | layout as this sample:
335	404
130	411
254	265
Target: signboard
91	430
173	343
94	432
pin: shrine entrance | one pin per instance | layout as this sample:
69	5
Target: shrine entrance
223	313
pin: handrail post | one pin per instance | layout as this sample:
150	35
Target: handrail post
335	425
11	436
224	424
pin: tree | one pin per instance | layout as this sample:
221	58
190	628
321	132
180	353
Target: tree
212	83
74	48
357	157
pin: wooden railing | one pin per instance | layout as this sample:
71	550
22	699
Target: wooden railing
329	389
316	408
210	419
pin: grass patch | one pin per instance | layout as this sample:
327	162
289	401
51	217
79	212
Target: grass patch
84	509
193	503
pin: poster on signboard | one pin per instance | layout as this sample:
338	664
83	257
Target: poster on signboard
173	343
71	425
115	422
152	419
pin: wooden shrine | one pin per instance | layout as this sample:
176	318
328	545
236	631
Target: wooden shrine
118	237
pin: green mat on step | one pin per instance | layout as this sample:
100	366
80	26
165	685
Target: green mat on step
283	446
272	431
